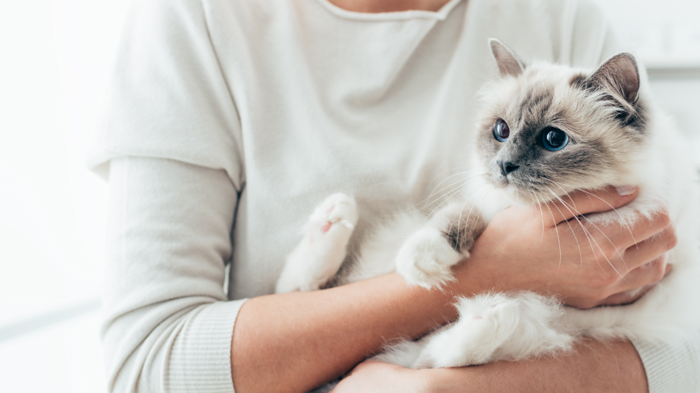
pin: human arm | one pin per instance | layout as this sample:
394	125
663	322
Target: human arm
588	366
168	327
591	366
381	309
170	146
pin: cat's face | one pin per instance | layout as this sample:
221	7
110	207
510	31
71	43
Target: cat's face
546	130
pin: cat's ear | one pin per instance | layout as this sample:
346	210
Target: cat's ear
508	63
618	76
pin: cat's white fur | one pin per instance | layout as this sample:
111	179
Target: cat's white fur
520	325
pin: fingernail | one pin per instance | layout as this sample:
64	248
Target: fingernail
626	190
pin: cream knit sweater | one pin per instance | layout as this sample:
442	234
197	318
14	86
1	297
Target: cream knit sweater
228	121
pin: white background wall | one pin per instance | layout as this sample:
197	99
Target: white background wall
55	58
664	33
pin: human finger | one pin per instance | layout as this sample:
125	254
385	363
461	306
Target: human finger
642	229
638	282
373	376
582	202
623	261
649	273
651	248
635	285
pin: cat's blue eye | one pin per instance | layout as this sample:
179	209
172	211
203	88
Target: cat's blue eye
554	139
501	131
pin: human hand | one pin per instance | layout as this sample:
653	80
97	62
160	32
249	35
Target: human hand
372	376
553	251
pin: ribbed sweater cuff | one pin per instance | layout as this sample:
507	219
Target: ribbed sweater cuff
200	360
671	368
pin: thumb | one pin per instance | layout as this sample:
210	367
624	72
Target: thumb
582	202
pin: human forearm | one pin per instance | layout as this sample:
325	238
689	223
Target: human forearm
166	318
294	342
592	366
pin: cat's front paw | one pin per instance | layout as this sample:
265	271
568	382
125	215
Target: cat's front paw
319	255
426	259
331	223
485	324
339	209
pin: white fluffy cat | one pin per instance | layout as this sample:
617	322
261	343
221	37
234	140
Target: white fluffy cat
545	130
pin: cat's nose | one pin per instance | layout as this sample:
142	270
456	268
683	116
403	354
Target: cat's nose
506	167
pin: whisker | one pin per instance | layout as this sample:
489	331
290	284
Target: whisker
606	237
589	237
569	224
459	220
466	200
572	231
440	200
571	228
457	188
539	204
557	232
563	190
435	189
624	222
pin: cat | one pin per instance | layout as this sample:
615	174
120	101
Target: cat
544	131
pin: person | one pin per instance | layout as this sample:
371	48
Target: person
227	121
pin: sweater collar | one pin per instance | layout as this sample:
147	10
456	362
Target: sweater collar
441	14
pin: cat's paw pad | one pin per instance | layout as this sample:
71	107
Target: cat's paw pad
426	259
340	209
337	211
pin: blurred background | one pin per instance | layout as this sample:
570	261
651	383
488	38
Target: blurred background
56	55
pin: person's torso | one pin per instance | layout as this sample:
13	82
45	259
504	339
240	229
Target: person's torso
380	106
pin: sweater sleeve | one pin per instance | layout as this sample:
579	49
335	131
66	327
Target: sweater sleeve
669	368
168	97
167	325
170	144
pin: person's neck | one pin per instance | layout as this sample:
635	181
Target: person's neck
377	6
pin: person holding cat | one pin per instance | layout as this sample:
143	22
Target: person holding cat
228	121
